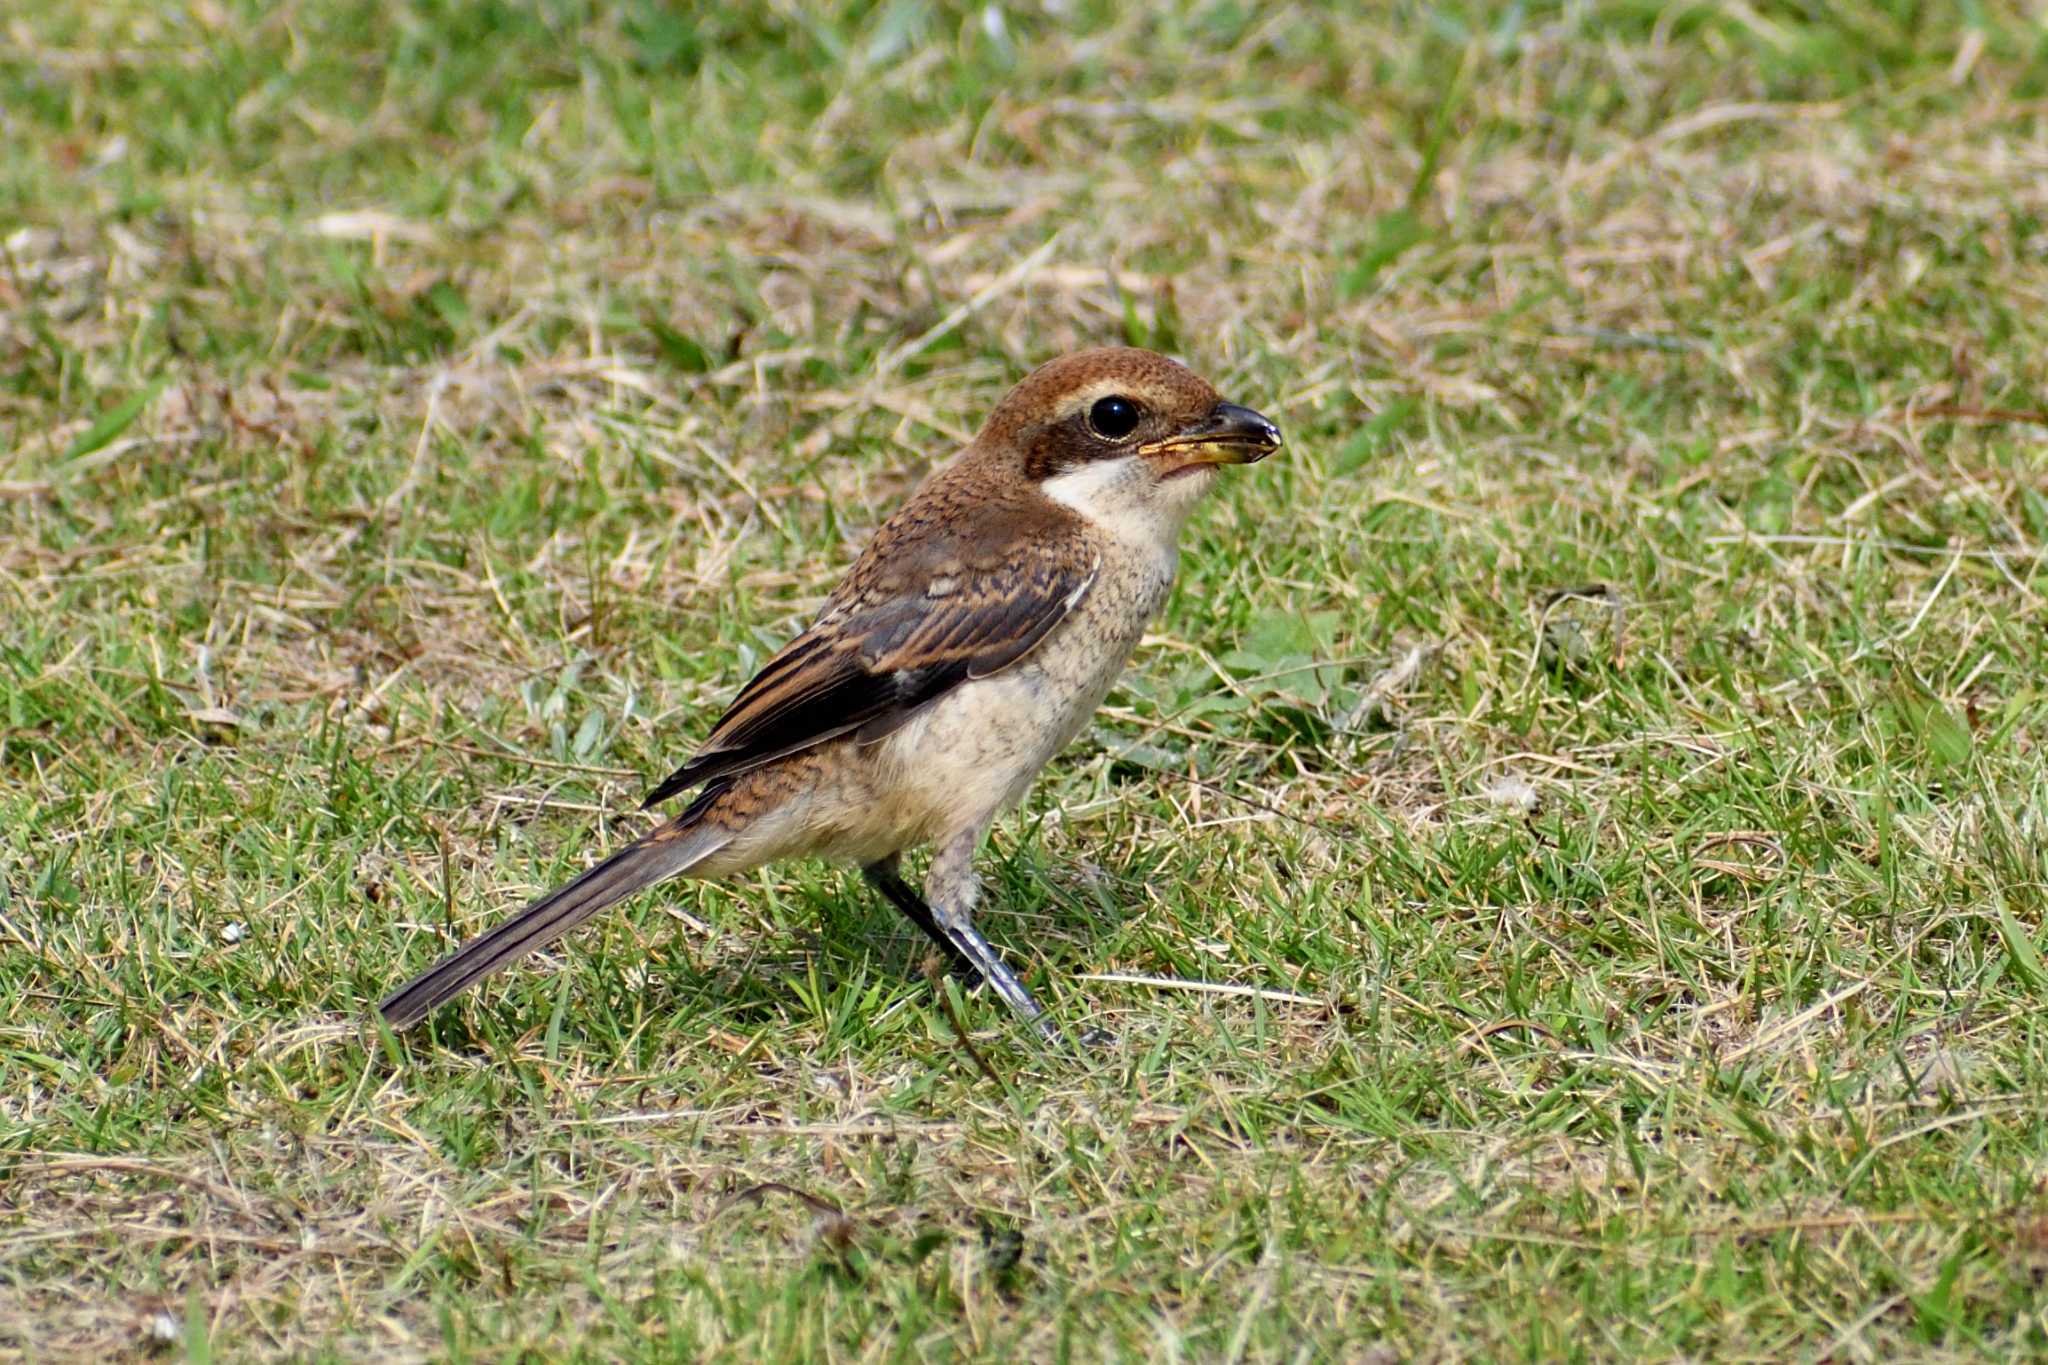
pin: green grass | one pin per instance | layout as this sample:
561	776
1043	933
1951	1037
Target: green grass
416	419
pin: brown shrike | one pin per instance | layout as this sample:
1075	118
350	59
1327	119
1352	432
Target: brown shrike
971	640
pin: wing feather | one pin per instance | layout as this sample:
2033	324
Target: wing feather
891	641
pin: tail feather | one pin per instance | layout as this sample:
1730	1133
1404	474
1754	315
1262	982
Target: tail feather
654	857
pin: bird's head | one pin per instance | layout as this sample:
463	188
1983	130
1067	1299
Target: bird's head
1124	433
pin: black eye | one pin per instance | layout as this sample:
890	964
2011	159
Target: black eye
1115	417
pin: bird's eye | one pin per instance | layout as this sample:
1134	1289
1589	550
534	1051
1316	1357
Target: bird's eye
1115	417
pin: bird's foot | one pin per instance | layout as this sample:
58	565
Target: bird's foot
1095	1038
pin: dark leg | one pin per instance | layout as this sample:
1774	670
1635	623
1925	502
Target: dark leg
905	898
950	885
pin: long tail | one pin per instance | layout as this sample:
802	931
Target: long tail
654	857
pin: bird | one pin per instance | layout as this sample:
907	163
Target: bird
972	639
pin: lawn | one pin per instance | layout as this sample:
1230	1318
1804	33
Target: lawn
1567	871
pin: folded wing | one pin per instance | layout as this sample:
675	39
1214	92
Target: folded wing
902	631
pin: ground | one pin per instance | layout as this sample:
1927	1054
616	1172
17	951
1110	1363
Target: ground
1566	872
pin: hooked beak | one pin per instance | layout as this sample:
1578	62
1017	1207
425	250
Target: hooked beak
1228	435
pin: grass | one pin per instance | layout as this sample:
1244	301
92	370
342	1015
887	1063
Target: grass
1607	742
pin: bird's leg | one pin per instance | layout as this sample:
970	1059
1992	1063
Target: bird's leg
882	873
951	888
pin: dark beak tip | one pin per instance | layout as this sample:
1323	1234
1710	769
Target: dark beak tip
1253	428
